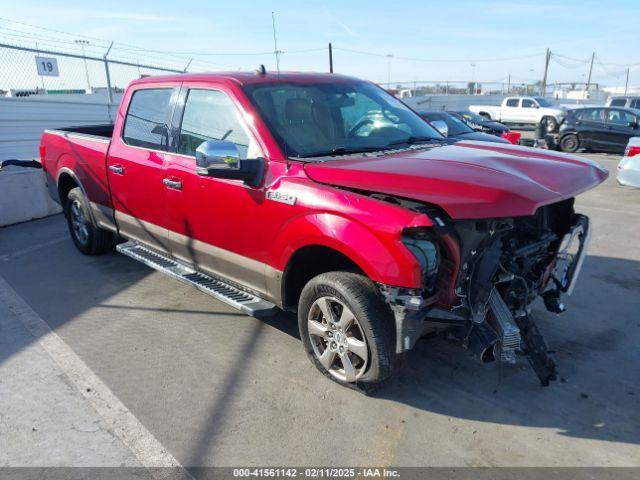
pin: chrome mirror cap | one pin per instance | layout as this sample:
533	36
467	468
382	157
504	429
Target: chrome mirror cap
217	154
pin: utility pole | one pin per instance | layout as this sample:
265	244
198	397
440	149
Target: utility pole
275	41
593	56
330	58
509	85
543	90
82	43
626	83
473	77
389	57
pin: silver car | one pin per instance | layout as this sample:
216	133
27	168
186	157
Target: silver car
629	166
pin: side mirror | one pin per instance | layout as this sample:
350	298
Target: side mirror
441	126
633	125
221	159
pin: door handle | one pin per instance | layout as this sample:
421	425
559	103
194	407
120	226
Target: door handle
176	184
119	169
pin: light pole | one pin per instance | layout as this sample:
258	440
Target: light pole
473	78
389	57
82	43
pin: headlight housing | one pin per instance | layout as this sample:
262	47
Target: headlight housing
426	252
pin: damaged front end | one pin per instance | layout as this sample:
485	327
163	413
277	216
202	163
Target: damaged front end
481	276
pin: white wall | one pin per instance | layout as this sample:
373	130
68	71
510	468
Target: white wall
22	120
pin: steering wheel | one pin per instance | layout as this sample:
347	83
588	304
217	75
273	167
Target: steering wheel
364	122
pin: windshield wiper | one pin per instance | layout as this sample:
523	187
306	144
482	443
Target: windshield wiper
341	151
413	139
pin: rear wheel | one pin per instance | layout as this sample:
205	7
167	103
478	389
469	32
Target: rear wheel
485	115
87	237
347	329
570	143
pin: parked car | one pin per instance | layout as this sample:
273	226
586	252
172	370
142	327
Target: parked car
599	129
286	191
623	101
523	110
481	124
452	127
629	166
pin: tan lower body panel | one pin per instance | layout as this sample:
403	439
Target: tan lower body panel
258	277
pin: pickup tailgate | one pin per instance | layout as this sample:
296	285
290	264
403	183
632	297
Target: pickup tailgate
80	155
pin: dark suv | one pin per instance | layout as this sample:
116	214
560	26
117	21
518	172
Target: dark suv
600	129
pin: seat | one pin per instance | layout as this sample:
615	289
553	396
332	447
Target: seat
300	126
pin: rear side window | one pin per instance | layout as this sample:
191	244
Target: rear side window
618	102
593	115
526	103
512	102
146	121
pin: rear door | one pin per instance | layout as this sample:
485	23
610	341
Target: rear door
620	124
510	111
591	127
135	165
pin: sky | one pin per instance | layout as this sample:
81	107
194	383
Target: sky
462	39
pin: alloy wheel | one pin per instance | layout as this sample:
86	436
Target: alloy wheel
337	339
79	223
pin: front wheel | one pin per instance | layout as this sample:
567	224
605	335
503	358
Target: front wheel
550	124
347	329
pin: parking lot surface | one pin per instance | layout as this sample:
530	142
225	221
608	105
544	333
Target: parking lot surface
217	388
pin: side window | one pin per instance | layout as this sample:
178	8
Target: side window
146	122
635	104
211	115
618	102
620	117
527	103
593	115
513	102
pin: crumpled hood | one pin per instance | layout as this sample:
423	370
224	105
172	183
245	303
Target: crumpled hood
468	179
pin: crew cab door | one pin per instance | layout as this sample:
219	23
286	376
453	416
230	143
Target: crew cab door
135	164
214	223
510	110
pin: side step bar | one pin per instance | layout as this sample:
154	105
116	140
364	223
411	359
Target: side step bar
239	299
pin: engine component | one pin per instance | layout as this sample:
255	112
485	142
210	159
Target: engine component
501	319
535	348
482	341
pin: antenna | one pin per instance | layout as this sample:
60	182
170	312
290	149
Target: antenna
275	41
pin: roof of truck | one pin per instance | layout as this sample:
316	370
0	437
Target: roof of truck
249	78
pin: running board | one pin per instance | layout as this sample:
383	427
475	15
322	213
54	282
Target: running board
239	299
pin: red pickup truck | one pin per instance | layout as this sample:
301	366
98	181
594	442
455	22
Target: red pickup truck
325	195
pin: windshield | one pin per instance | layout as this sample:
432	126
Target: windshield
455	125
543	102
337	118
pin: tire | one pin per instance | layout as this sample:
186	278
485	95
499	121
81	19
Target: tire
485	115
87	237
570	143
370	334
550	124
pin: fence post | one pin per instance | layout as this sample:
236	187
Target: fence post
106	69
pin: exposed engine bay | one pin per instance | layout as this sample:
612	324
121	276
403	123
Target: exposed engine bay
480	278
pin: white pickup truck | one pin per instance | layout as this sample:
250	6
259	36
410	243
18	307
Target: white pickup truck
524	110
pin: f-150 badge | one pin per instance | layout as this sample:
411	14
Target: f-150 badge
281	197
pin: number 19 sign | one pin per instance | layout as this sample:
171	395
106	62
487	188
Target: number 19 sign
47	67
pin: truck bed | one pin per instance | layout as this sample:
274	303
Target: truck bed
104	130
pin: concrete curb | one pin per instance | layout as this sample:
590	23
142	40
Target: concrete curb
24	196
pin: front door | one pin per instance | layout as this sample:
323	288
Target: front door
210	219
622	125
135	166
